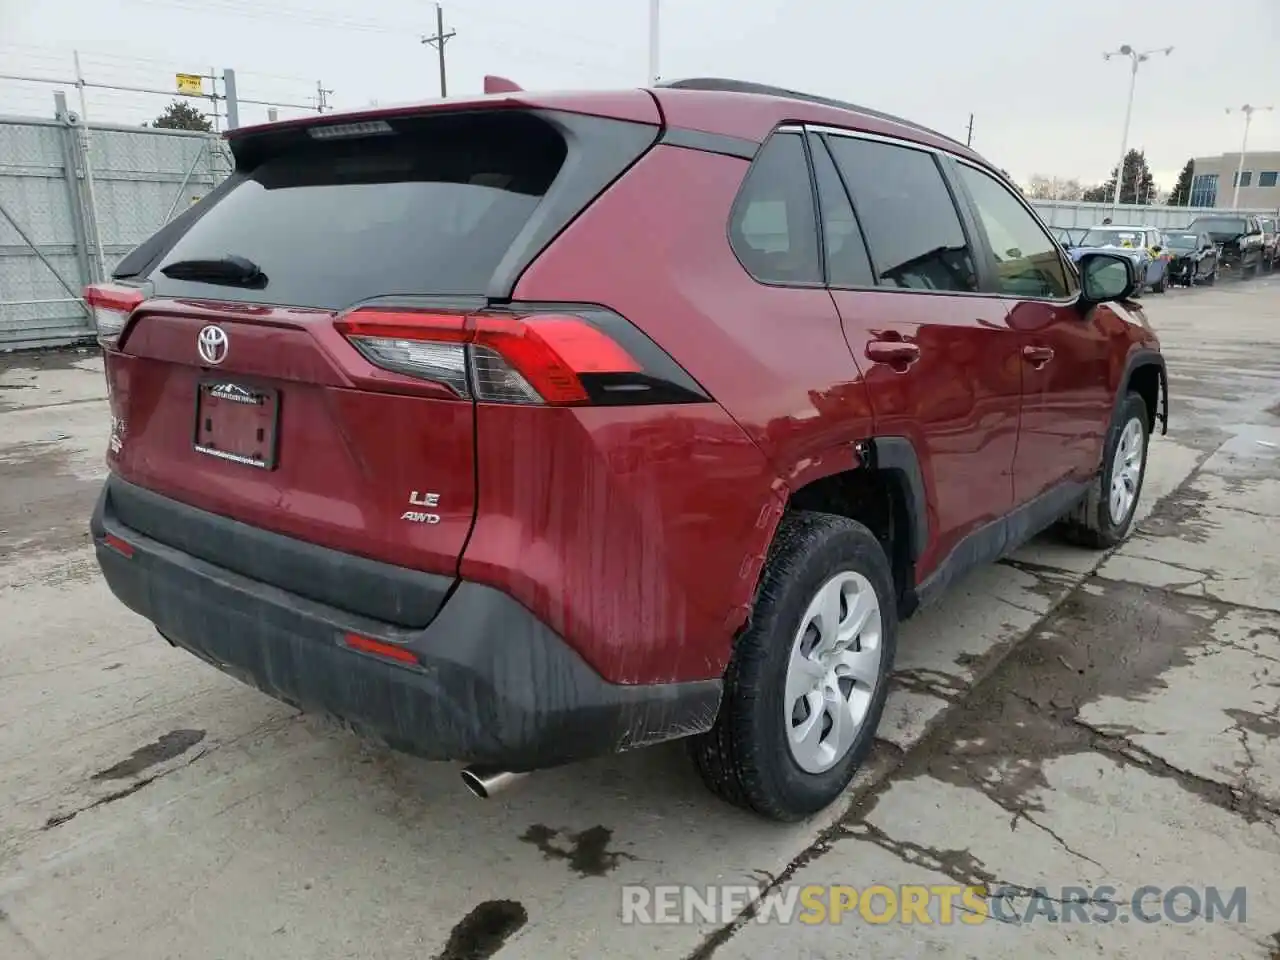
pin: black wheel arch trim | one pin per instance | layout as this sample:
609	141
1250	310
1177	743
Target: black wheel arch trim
897	455
1146	357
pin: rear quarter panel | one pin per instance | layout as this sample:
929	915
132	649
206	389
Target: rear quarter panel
654	248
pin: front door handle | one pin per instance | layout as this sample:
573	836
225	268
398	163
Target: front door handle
1037	355
896	352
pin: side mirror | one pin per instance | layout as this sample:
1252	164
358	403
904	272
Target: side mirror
1105	277
1157	248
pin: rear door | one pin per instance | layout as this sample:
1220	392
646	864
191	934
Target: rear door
1064	353
939	358
237	393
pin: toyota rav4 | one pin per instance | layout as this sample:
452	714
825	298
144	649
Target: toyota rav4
521	429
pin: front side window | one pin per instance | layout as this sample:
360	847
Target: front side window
907	214
773	230
1028	262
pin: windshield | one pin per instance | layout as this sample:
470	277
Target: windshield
1220	225
1184	241
1112	238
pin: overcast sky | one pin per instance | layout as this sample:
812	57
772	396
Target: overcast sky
1031	71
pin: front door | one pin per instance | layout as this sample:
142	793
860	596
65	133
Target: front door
939	360
1066	400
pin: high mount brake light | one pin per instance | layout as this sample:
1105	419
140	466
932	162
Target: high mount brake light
111	304
534	359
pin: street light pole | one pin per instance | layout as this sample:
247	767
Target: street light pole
1136	58
1248	111
654	40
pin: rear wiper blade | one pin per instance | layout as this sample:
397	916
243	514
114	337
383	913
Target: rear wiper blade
231	271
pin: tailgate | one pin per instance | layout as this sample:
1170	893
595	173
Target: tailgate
285	434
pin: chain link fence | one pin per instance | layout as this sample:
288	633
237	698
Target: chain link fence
74	199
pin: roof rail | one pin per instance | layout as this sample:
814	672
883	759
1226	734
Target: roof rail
746	86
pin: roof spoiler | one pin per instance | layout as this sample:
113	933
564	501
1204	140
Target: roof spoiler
494	84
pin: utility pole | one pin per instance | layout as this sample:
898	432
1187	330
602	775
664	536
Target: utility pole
438	41
1136	58
322	97
655	37
968	140
86	144
1248	112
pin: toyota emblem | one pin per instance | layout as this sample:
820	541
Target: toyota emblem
212	345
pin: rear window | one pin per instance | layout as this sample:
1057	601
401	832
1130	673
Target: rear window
431	208
1220	225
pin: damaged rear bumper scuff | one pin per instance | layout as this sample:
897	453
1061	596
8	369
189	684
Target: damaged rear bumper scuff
492	683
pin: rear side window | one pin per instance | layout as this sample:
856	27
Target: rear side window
429	209
847	261
907	214
772	228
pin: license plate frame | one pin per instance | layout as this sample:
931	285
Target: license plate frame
249	414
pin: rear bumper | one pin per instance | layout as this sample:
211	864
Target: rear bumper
494	685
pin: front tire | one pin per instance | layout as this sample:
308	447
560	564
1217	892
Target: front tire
807	681
1106	515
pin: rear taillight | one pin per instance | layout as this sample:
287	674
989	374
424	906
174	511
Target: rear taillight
111	304
548	357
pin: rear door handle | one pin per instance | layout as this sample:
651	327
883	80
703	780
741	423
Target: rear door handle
897	352
1037	355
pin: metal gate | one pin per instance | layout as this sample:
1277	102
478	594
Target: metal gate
74	199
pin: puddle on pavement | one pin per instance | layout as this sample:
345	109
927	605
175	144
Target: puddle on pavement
587	852
484	931
172	744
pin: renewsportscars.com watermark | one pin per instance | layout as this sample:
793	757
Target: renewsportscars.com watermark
931	904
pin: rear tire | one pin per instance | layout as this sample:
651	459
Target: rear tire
1105	517
805	667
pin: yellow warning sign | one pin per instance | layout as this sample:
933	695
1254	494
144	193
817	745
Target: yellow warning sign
190	83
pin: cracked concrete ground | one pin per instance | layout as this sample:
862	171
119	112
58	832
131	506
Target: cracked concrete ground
1063	718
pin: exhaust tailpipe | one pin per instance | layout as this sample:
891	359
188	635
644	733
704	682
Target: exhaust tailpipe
484	782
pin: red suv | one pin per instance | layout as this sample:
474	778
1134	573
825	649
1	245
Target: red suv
521	429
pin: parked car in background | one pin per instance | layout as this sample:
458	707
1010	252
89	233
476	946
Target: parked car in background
1069	237
1193	258
1239	240
1143	245
508	487
1270	242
